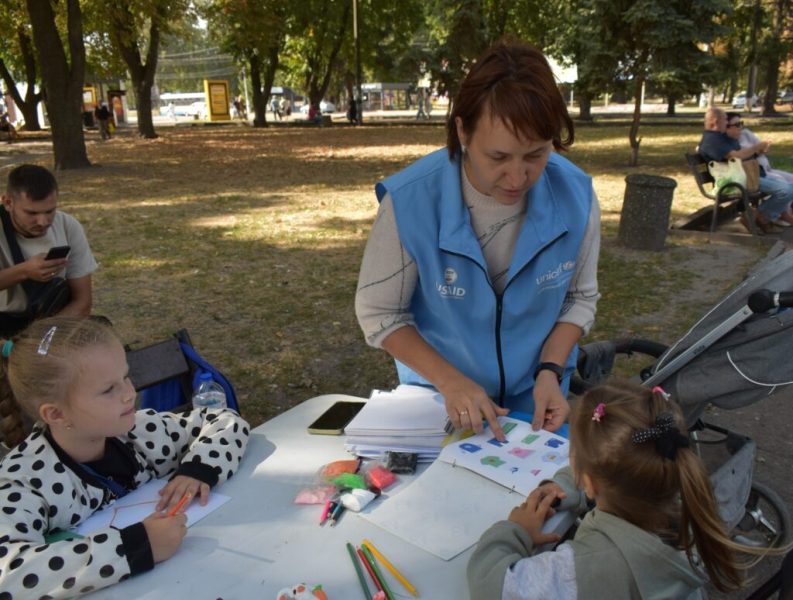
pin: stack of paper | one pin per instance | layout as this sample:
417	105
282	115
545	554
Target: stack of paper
407	419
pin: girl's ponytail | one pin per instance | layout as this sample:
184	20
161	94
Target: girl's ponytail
701	527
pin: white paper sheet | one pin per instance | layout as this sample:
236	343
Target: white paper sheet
139	504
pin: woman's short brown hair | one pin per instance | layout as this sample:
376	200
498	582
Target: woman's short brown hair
515	82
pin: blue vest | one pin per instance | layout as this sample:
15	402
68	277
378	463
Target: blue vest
493	339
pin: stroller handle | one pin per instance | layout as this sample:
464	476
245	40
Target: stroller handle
762	301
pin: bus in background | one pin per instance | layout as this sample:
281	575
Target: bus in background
183	104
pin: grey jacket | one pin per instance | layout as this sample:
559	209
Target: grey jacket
609	559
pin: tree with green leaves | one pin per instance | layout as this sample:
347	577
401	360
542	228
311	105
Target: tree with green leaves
254	33
62	61
316	38
18	61
135	28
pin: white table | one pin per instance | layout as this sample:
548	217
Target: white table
260	541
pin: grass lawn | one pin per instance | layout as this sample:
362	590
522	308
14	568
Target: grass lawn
252	239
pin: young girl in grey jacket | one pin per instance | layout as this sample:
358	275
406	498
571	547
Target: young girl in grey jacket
655	531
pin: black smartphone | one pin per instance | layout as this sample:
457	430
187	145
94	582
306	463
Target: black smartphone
58	252
336	418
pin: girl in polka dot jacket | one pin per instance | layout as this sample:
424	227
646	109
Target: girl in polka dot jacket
89	447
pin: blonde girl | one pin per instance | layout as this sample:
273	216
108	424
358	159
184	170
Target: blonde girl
655	531
88	447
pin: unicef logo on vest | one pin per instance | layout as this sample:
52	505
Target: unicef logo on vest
449	290
556	276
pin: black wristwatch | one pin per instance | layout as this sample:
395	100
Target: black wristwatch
549	366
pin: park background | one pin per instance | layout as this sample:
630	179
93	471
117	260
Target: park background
250	233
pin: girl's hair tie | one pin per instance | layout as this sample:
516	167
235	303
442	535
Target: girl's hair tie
666	435
7	346
659	390
599	413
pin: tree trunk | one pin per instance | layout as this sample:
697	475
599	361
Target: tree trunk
633	136
259	99
773	58
269	74
142	74
317	83
584	106
28	105
670	107
63	82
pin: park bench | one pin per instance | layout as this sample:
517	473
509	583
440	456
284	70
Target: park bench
729	199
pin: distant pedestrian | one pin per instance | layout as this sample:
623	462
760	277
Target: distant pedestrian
102	115
285	108
420	114
275	106
352	111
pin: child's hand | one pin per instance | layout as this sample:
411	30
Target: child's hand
180	485
551	487
165	534
533	513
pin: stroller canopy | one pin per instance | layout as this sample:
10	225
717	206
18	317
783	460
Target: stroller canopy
750	361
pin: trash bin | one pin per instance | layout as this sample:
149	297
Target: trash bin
645	211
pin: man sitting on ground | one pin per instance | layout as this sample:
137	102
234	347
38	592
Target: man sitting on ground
717	145
30	214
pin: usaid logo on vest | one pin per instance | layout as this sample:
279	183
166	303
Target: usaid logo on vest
557	276
447	289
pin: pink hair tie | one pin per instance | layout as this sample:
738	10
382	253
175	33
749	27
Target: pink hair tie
659	390
600	412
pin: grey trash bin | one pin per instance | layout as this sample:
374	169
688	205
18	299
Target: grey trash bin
645	211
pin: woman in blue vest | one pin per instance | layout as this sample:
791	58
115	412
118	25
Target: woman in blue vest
480	273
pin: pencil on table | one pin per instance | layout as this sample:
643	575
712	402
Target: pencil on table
388	593
357	565
394	571
366	564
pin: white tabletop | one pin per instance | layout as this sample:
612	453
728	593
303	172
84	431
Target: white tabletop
260	541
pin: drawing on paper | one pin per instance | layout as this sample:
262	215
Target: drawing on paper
520	463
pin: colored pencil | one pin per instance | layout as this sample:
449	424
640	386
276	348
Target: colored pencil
357	565
388	593
336	514
366	564
325	512
179	505
394	571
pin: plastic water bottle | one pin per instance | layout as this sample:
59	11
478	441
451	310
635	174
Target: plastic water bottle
209	393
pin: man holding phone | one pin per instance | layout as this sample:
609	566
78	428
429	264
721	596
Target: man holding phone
40	231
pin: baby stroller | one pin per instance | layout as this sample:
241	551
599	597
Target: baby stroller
734	356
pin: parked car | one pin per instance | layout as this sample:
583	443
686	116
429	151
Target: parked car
325	107
785	96
740	100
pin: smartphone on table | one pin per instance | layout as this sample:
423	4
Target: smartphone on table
336	418
58	252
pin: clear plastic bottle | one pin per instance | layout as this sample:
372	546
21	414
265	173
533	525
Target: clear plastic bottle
209	393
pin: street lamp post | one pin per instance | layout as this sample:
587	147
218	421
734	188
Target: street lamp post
359	101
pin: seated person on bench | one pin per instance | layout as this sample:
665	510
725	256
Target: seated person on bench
30	213
717	145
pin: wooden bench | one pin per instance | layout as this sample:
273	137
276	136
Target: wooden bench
730	198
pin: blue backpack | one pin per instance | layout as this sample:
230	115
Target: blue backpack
175	391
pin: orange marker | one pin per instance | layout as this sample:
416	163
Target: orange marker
179	505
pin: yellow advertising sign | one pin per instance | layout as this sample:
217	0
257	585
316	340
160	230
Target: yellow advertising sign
218	99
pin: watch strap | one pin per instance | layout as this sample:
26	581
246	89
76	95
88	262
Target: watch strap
550	366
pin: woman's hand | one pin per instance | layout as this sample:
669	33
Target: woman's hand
532	514
180	486
467	405
550	406
165	534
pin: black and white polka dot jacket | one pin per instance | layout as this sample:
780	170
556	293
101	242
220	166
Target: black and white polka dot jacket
42	490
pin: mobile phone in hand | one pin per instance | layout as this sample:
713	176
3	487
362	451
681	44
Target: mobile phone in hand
58	252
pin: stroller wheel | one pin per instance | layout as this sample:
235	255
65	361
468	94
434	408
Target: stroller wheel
766	522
